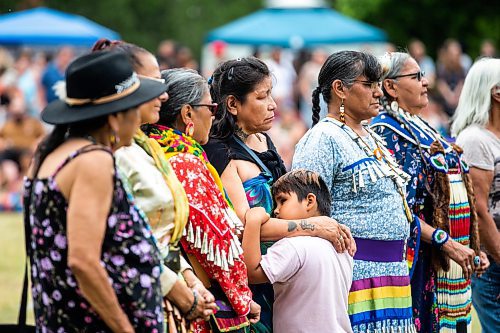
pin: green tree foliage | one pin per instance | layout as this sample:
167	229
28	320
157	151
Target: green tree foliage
147	22
432	21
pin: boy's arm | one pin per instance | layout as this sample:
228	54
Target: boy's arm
252	256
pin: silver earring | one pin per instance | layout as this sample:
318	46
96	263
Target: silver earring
394	106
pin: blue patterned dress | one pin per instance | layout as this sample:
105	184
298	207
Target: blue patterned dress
379	299
441	300
129	255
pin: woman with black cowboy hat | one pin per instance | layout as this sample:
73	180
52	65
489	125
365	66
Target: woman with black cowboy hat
160	195
94	264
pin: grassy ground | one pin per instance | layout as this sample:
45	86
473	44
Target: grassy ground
12	259
12	264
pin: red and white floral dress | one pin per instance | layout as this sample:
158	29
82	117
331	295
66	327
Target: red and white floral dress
210	234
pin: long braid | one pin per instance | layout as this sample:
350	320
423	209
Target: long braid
315	106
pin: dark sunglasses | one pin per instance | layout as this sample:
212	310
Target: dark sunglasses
372	84
418	75
212	107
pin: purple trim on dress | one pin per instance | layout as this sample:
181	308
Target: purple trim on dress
379	250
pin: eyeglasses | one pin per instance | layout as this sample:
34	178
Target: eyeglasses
417	75
212	107
373	84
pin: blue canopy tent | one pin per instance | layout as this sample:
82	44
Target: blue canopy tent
296	28
43	26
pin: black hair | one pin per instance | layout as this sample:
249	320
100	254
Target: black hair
131	50
303	182
62	132
236	78
345	66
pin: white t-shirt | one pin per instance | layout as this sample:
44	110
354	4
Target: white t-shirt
482	150
311	283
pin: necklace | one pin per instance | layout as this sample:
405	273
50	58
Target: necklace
244	136
386	165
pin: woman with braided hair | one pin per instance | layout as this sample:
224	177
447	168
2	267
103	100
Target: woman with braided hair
439	195
367	190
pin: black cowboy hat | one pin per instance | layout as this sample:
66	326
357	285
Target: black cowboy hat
98	84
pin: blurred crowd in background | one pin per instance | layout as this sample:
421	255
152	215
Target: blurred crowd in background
28	79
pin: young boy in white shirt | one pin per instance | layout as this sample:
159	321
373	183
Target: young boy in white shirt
311	280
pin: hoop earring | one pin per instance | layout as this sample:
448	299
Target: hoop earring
189	131
395	106
342	112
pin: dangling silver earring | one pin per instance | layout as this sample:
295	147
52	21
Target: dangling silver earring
342	112
395	106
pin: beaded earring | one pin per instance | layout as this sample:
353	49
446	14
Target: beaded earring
342	112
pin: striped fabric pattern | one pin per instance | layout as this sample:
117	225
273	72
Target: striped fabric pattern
453	291
389	295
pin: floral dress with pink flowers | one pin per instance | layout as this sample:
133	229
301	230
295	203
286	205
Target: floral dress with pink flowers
129	255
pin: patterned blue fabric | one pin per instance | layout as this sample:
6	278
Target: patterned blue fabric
373	212
408	156
258	191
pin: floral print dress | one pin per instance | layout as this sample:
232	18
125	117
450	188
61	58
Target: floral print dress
129	255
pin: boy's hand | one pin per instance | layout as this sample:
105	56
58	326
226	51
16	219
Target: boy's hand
257	214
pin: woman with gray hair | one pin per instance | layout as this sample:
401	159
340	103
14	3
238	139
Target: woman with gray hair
367	190
440	197
477	124
210	237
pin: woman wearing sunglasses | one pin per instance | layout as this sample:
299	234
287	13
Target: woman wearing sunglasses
440	197
210	237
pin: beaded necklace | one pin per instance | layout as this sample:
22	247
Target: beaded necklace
387	166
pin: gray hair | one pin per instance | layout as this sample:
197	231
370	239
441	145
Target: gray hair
184	86
392	65
474	104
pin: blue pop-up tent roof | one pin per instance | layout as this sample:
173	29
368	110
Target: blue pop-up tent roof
43	26
296	27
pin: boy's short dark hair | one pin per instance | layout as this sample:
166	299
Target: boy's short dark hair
302	182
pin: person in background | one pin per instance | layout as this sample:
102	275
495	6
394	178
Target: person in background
210	238
307	81
159	194
476	125
366	188
94	263
292	263
55	72
284	78
440	197
488	49
416	49
450	74
20	130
